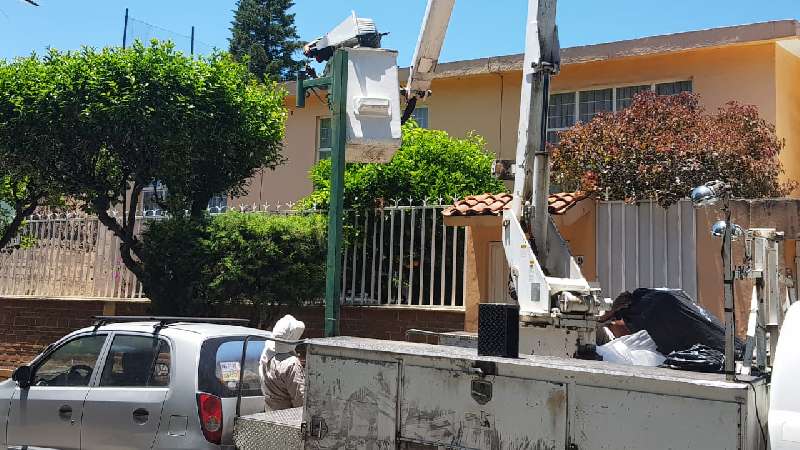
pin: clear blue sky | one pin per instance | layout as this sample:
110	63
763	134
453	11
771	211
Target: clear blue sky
478	28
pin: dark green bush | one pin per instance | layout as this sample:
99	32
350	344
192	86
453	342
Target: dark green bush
176	258
265	260
251	260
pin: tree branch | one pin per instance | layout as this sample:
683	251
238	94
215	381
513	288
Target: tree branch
21	211
129	245
130	223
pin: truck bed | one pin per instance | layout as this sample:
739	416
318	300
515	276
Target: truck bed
390	394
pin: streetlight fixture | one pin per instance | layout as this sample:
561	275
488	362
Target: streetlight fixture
710	194
718	230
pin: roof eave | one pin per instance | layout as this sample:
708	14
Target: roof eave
653	45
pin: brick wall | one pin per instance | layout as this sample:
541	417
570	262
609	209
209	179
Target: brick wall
27	325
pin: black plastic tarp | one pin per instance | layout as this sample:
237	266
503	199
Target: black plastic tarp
674	321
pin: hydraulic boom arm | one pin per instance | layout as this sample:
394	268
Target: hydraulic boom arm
544	273
429	47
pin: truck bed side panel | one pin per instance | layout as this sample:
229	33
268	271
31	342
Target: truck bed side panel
616	419
356	399
437	407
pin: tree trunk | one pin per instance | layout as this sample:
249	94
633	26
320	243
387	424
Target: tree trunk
20	213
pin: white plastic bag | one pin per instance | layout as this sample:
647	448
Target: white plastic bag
637	349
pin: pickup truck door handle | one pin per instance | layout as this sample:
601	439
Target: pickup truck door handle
65	412
140	416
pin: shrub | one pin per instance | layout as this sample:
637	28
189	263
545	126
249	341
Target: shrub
662	146
252	260
176	261
262	260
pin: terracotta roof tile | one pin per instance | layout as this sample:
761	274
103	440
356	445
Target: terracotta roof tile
559	204
494	204
479	205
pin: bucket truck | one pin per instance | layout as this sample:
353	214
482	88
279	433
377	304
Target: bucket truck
363	393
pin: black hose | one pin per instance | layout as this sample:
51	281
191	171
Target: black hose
411	105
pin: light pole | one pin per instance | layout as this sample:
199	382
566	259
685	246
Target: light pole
336	83
707	195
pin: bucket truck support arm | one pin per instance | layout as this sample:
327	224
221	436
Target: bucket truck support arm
526	247
542	59
426	55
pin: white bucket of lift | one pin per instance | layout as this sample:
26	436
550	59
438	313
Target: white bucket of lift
373	105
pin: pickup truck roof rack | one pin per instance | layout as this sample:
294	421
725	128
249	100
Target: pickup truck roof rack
166	320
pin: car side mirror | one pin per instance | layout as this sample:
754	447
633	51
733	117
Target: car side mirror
23	376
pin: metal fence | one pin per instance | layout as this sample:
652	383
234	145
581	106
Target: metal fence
63	256
404	255
645	245
398	255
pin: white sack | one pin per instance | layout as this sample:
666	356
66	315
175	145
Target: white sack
637	349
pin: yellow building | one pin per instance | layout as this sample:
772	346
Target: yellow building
755	64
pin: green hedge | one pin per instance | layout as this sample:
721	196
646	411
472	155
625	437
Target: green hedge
248	259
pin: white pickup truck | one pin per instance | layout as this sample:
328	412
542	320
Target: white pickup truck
784	407
364	393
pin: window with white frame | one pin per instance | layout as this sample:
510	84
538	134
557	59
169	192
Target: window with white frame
625	95
324	143
560	114
420	115
675	87
567	108
592	103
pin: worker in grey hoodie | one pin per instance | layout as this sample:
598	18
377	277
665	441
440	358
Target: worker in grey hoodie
282	375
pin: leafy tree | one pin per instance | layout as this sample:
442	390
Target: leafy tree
123	118
264	35
662	146
25	145
430	164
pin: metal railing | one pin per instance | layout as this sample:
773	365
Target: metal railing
404	255
400	255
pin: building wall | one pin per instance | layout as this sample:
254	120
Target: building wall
787	99
289	182
578	228
489	104
478	270
762	74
